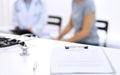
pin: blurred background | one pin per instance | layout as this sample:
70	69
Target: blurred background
107	11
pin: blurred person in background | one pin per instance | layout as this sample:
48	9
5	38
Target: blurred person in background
30	16
83	20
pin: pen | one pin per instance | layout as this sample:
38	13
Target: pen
68	47
35	67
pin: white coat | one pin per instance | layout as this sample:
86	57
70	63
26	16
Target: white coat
35	17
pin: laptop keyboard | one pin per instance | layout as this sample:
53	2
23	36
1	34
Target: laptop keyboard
5	42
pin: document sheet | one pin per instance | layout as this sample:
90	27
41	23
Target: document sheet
80	61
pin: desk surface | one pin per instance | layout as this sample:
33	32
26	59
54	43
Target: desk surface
39	54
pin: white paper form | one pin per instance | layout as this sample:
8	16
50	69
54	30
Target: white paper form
80	61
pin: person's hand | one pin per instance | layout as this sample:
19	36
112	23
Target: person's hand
29	29
56	38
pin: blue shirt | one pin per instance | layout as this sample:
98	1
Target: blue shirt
27	5
78	12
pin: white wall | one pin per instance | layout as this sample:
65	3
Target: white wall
106	10
109	10
5	12
1	22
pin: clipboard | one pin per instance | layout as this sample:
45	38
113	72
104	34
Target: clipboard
78	60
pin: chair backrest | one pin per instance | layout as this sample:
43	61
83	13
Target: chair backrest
54	24
56	21
102	26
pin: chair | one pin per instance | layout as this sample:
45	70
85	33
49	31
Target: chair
102	25
54	25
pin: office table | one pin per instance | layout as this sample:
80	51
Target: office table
38	60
